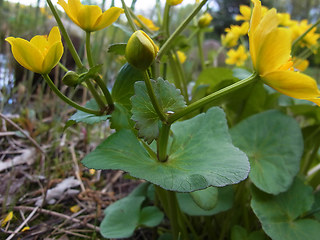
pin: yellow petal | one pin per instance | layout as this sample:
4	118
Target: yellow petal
274	51
25	229
293	84
72	9
108	17
315	100
26	54
53	57
88	16
8	218
75	208
254	22
41	43
54	36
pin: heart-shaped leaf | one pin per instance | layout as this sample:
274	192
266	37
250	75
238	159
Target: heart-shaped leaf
201	155
121	218
274	145
280	215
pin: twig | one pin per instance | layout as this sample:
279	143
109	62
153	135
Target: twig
113	180
24	223
23	132
76	167
57	215
70	232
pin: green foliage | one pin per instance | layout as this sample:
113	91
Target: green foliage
216	78
118	48
88	118
204	138
240	233
190	207
123	88
274	145
207	198
281	216
147	119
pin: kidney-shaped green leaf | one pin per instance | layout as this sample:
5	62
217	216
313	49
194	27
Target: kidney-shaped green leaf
274	145
121	218
280	215
201	155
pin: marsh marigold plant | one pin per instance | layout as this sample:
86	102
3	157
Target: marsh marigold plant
270	48
39	55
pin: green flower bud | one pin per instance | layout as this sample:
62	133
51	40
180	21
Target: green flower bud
70	79
141	50
205	20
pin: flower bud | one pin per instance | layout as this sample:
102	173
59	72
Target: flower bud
204	20
70	79
141	50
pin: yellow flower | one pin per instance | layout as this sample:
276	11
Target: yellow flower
90	17
311	39
233	34
246	13
39	55
181	56
270	48
174	2
205	20
300	64
237	57
285	19
147	22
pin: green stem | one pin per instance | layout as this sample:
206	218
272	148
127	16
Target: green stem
213	96
166	17
152	96
200	48
66	37
308	161
182	78
175	73
163	142
63	67
128	16
105	91
295	42
66	99
88	49
95	94
163	50
170	205
145	27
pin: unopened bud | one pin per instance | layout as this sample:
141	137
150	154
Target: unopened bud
205	20
70	79
141	50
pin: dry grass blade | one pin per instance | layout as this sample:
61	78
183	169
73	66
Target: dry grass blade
60	215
